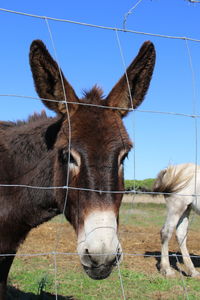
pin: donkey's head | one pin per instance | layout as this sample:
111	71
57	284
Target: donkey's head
90	144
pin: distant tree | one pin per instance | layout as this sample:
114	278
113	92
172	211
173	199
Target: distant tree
139	185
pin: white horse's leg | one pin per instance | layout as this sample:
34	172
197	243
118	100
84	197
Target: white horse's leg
176	208
181	234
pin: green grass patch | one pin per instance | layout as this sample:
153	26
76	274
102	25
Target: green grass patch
142	214
150	214
136	285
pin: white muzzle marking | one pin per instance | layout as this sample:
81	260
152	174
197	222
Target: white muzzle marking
98	243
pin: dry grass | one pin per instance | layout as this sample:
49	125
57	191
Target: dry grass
143	198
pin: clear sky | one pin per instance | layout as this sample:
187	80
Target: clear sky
91	55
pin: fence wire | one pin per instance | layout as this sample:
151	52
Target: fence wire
100	27
194	115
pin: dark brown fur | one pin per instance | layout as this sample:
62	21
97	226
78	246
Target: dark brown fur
35	152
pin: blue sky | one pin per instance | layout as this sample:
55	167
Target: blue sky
90	55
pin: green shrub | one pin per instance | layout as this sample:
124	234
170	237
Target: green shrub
139	185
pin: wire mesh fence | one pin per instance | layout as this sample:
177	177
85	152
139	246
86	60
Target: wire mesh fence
57	256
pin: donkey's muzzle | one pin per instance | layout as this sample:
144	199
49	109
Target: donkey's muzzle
98	273
102	271
98	244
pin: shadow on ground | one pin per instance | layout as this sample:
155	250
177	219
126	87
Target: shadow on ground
174	258
15	294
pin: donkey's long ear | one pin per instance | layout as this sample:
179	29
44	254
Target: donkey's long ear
138	75
47	79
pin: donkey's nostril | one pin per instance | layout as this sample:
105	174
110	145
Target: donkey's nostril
93	261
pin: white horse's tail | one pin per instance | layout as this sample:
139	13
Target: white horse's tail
174	178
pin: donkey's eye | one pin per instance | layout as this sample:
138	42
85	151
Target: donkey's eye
66	157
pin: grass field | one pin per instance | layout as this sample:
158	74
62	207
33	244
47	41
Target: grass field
140	223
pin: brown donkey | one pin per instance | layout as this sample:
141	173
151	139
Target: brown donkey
40	152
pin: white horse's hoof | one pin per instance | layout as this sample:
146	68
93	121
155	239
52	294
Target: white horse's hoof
167	272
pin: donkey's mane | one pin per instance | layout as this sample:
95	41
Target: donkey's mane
35	117
95	94
31	119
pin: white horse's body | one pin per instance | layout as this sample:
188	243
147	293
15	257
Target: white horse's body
181	185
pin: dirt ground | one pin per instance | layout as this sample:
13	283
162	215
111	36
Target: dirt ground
140	245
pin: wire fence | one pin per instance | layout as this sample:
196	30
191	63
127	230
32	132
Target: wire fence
67	187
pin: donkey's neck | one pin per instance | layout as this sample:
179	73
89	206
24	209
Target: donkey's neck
29	153
31	163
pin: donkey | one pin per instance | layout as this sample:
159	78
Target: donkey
179	183
84	146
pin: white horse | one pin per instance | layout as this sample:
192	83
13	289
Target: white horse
183	181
